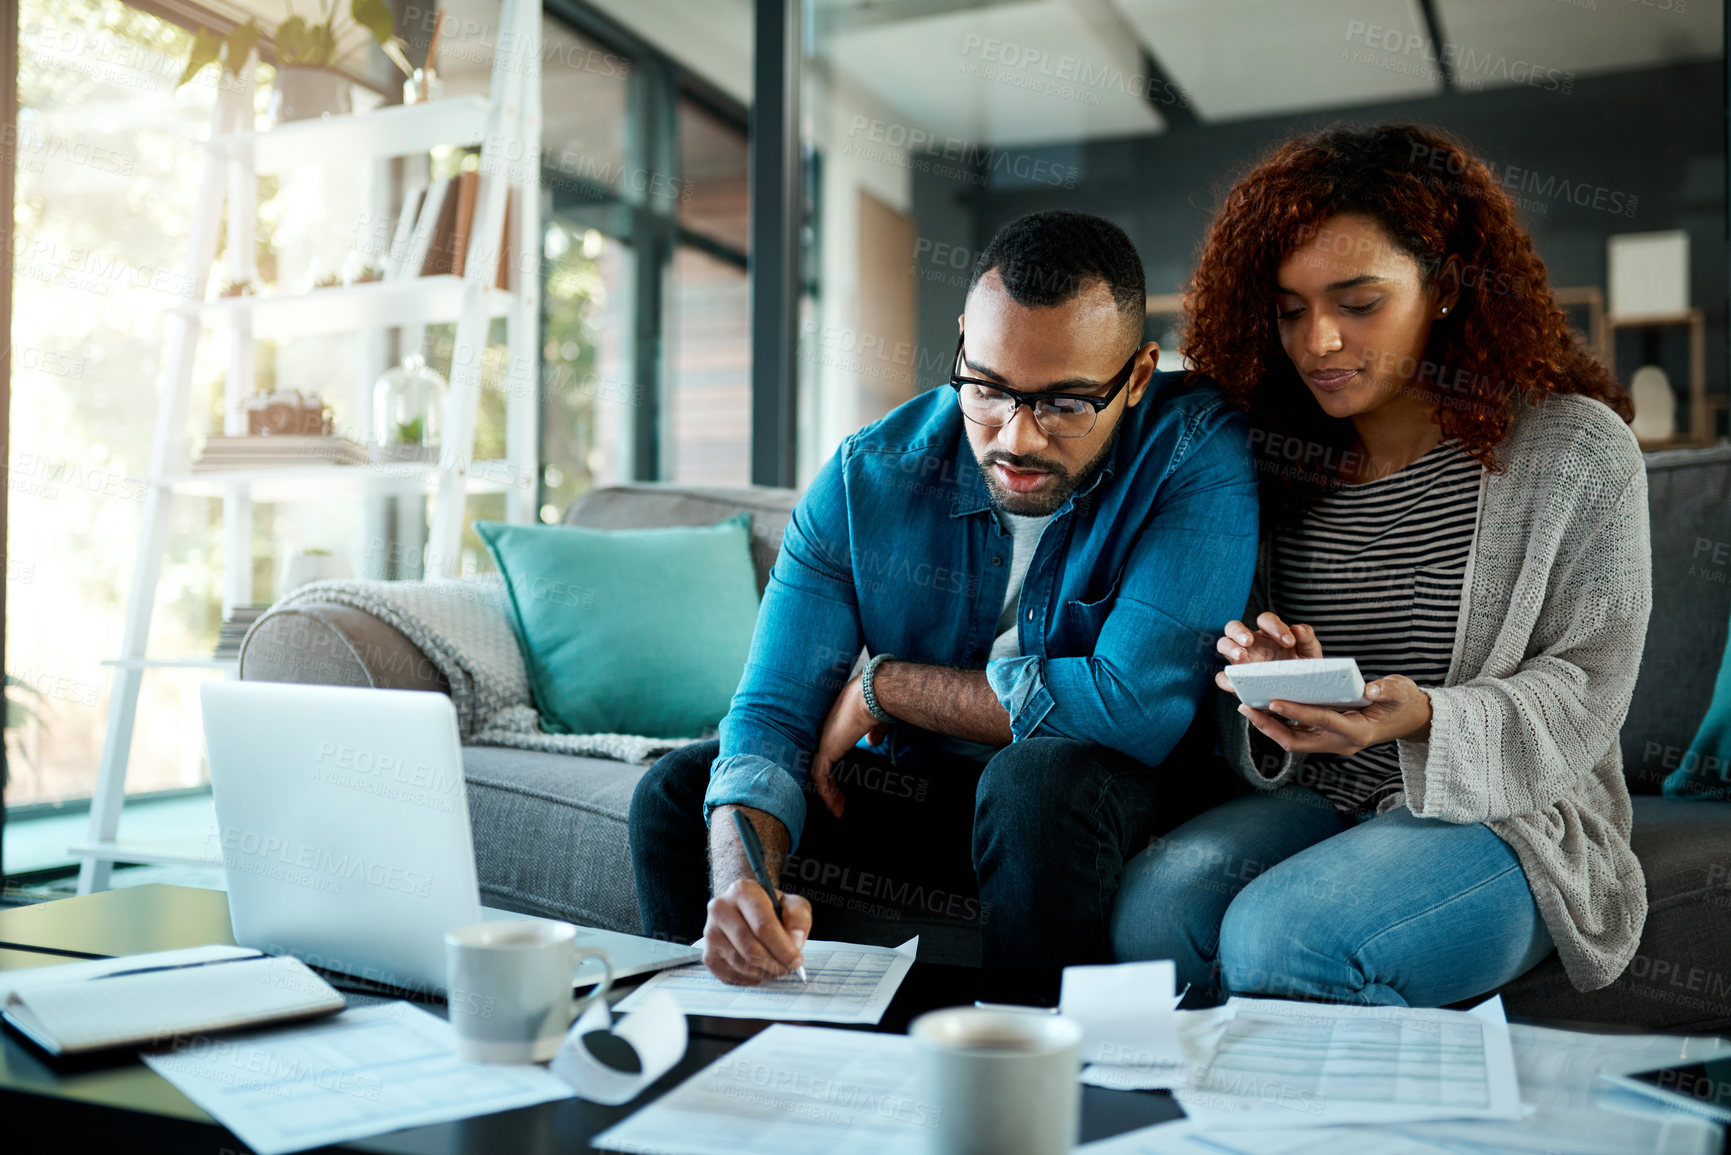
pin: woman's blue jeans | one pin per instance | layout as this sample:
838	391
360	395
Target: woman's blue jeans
1278	894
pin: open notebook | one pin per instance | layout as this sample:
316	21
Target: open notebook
143	1000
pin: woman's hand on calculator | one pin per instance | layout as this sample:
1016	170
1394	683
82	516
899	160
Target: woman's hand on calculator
1270	641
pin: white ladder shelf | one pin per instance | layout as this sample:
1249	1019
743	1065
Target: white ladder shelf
507	126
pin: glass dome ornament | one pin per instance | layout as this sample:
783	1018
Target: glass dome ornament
408	411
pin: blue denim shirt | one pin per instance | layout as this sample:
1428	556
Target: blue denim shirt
895	547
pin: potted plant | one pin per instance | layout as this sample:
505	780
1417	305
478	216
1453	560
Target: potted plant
307	82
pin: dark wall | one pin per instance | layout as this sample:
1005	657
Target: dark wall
1648	145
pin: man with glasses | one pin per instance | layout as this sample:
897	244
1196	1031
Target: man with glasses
1036	562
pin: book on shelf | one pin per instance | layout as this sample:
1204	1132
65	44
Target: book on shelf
468	188
503	279
439	249
445	230
412	198
228	452
426	221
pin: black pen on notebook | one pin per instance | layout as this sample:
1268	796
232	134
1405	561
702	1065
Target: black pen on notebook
754	855
208	962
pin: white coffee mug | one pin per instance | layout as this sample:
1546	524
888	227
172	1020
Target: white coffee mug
510	988
1004	1082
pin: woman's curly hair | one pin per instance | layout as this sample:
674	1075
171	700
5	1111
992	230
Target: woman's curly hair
1505	339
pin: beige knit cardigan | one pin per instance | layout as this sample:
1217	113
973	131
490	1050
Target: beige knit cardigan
1523	733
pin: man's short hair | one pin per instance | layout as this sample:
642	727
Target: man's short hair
1047	258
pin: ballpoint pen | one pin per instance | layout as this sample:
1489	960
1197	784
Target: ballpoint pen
754	855
178	966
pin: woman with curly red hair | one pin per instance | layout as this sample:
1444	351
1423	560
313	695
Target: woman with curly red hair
1452	496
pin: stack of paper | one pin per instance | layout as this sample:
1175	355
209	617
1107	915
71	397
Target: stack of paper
224	452
363	1072
234	627
1307	1079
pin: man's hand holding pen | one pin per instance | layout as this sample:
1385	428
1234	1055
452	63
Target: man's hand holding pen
745	944
753	933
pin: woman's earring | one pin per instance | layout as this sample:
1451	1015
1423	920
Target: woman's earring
1445	310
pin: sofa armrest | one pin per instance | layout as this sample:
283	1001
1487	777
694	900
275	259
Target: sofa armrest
321	643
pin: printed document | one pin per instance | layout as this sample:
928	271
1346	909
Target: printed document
790	1091
362	1072
1284	1064
848	984
1574	1110
1569	1109
1184	1137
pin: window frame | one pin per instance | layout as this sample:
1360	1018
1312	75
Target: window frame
652	232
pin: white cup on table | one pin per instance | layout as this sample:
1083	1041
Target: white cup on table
1004	1082
509	988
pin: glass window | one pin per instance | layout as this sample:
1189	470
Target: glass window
589	399
584	122
106	152
714	197
589	391
708	432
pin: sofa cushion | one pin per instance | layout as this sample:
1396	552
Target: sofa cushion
629	631
1689	506
1680	978
550	835
647	504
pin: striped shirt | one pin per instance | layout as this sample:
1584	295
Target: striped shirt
1376	569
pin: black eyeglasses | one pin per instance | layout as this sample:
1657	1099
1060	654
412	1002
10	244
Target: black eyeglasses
1059	414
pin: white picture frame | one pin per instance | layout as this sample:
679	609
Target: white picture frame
1647	274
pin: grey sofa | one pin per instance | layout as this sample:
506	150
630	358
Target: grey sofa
550	831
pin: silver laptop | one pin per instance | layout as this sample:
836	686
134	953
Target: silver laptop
343	825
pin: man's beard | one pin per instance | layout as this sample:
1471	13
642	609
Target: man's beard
1047	501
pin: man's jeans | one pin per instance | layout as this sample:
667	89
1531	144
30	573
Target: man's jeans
1031	845
1279	894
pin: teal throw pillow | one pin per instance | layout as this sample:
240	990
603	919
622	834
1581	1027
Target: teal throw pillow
1706	769
636	631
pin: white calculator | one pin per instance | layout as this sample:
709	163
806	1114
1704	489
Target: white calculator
1308	681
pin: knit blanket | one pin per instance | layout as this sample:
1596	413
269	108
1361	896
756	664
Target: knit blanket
464	627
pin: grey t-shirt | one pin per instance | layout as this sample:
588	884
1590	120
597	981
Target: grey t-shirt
1025	538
